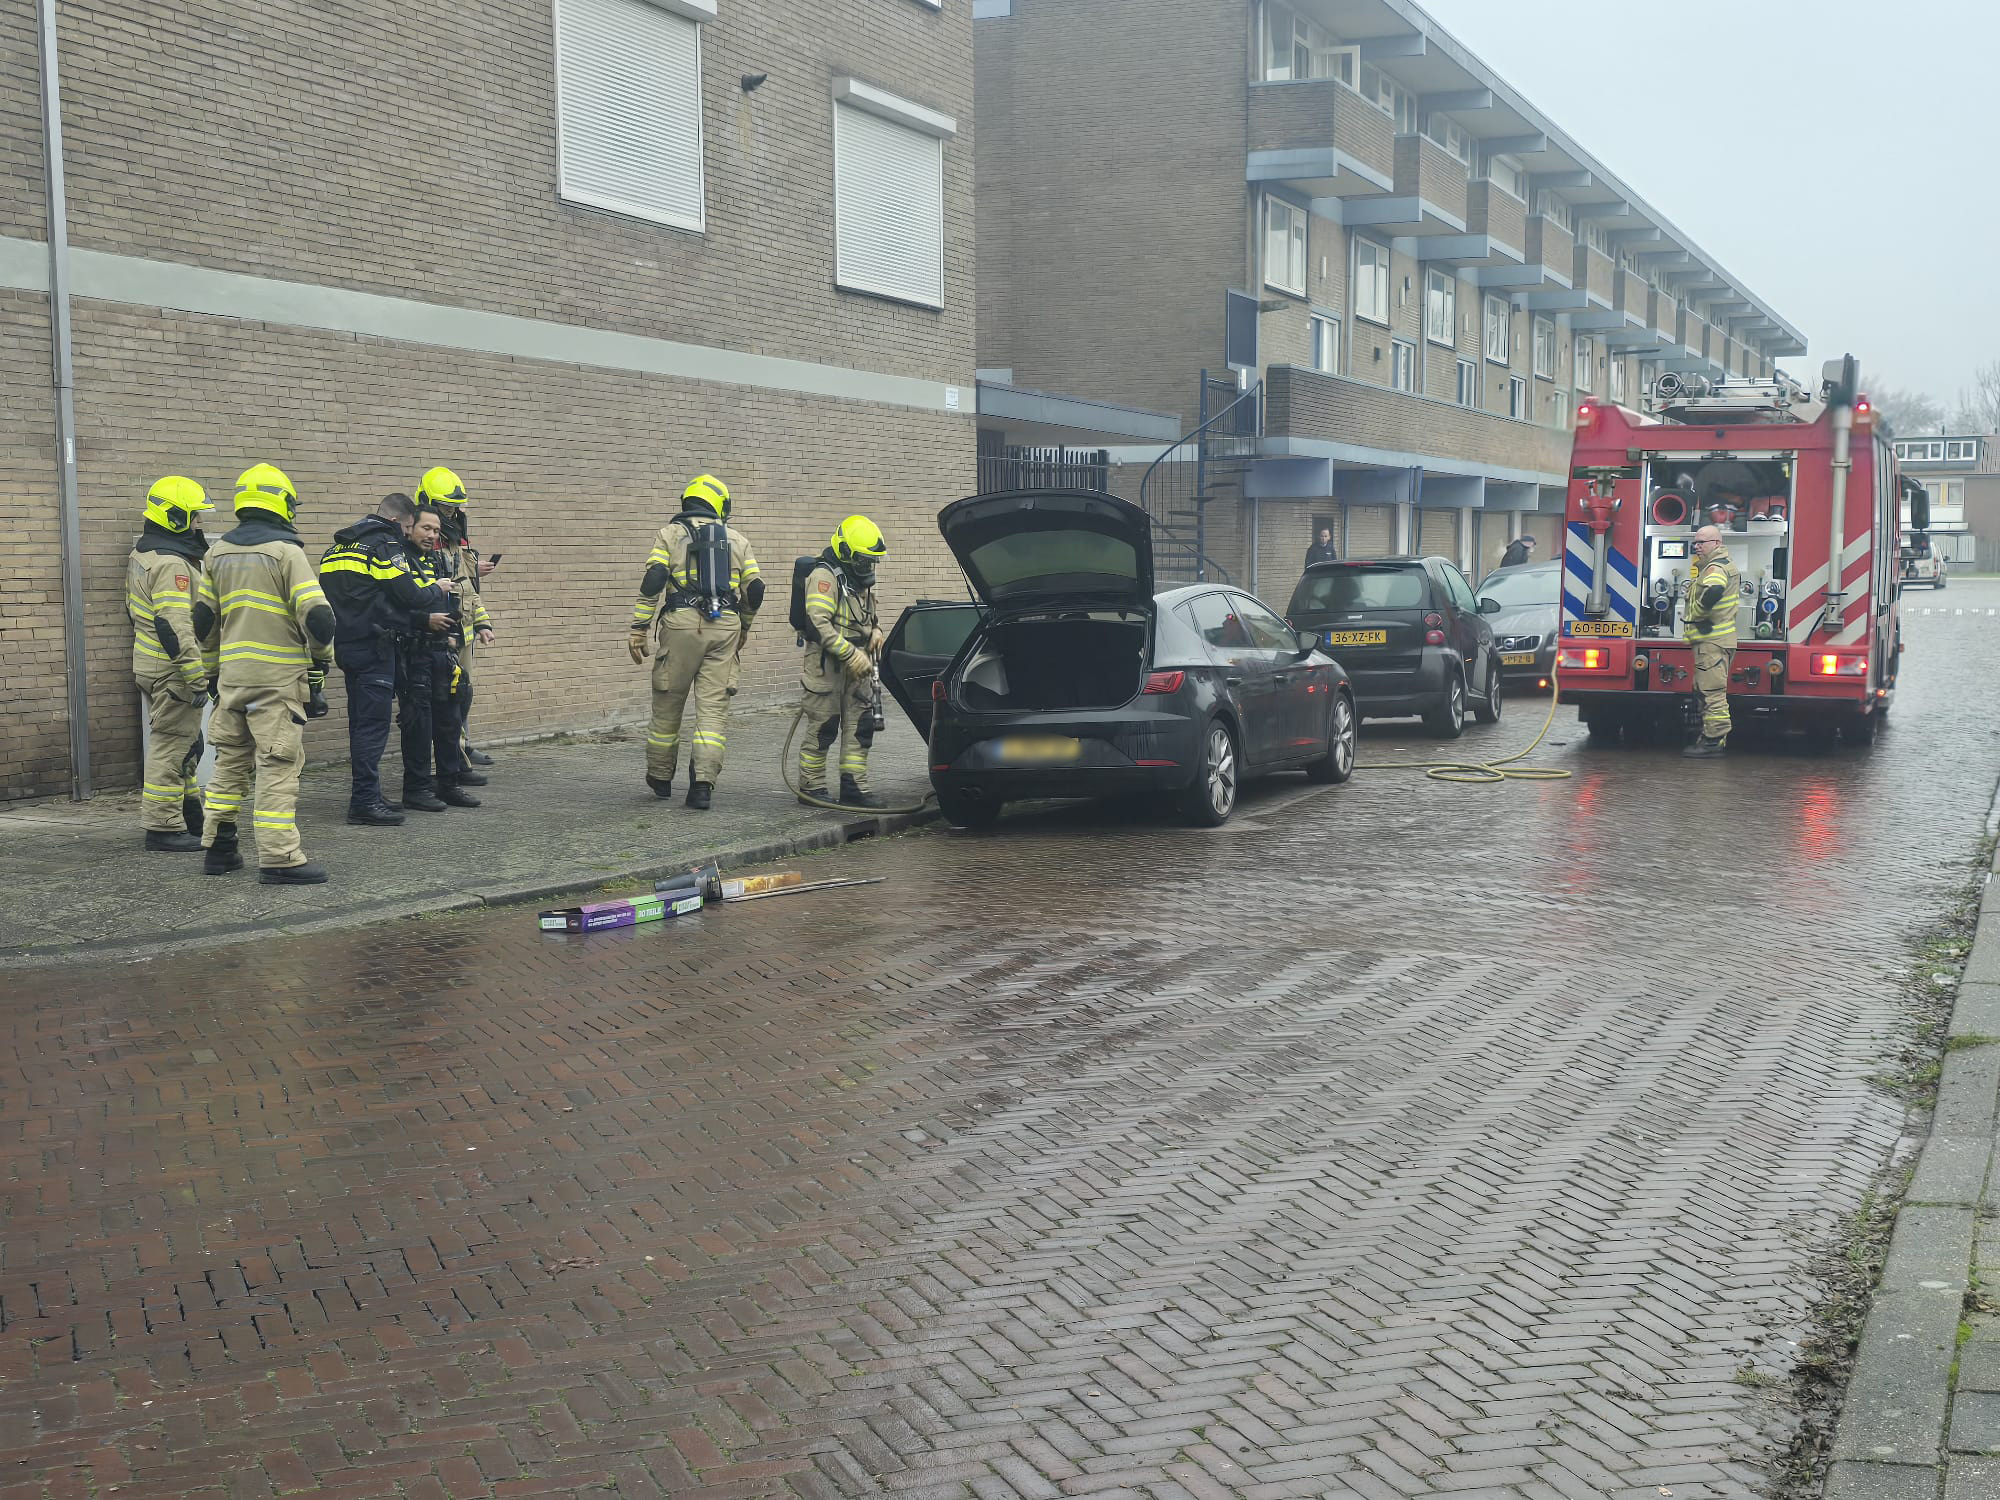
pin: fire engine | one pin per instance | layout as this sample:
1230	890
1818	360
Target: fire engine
1793	480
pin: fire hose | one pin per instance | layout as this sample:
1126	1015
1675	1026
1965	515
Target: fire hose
785	769
1487	772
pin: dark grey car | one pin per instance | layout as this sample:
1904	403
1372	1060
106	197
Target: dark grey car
1524	624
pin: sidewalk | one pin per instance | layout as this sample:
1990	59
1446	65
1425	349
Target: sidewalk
559	816
1922	1416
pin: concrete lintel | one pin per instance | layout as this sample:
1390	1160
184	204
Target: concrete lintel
1416	214
1001	404
1516	145
1576	179
1509	278
1508	494
1283	478
1357	456
1408	44
1461	101
1453	491
1318	164
1374	486
1556	299
1463	249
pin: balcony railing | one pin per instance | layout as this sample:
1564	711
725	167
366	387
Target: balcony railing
1426	170
1308	404
1550	245
1593	272
1318	114
1494	211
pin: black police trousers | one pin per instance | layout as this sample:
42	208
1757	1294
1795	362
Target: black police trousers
371	670
429	721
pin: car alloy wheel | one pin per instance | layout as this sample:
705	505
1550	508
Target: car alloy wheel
1221	764
1489	711
1338	763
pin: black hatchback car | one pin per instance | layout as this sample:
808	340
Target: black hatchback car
1411	636
1068	676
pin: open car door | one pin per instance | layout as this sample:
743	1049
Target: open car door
925	639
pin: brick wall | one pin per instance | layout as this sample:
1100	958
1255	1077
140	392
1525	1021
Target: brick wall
1283	336
34	733
1495	211
23	209
1428	171
1306	404
1593	271
1317	113
1549	244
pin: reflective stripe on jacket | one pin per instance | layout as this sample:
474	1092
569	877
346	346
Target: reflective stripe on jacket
1713	622
160	589
673	551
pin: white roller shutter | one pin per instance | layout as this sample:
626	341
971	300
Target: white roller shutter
628	89
1370	530
888	197
1437	536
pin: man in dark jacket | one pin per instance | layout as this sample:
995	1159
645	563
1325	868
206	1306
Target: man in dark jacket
378	603
1322	550
1520	550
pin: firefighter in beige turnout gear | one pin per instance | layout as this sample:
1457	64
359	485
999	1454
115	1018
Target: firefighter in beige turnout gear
162	575
1714	592
699	596
268	644
839	668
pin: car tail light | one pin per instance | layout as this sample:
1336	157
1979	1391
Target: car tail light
1585	658
1434	620
1838	664
1433	637
1165	682
937	690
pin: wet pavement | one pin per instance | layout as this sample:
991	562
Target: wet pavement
1396	1139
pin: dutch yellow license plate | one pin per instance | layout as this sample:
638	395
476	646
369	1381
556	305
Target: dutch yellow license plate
1600	627
1039	749
1357	637
1518	659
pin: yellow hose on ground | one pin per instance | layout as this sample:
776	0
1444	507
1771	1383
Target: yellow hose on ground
785	769
1487	772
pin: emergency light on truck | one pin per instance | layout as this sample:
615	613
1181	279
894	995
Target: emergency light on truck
1838	664
1583	658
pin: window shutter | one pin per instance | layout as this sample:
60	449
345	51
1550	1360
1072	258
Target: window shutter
888	188
628	83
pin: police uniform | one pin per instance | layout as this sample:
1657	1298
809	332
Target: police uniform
837	702
162	578
272	630
697	654
1712	594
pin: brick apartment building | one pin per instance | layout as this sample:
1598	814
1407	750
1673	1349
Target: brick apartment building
579	250
1434	273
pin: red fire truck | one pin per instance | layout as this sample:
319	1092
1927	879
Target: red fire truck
1793	480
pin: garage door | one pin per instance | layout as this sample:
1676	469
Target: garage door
1438	535
1371	530
1492	534
1544	530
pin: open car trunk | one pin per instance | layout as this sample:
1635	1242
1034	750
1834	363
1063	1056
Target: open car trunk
1054	663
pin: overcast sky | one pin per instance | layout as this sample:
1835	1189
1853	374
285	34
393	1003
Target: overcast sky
1836	156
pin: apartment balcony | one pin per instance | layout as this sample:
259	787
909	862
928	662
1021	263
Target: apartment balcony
1592	273
1322	138
1308	414
1666	317
1551	247
1497	213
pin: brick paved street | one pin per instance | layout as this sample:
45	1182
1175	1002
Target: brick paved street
1397	1139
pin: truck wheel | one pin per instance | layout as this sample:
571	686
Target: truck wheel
1603	727
1860	730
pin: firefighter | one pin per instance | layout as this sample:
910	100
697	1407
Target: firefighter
427	714
162	575
1713	591
459	563
699	596
839	665
269	641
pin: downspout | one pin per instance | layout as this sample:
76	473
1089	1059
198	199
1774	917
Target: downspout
1843	465
64	381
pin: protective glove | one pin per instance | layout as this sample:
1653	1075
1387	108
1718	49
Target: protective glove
214	690
316	705
859	664
877	640
639	647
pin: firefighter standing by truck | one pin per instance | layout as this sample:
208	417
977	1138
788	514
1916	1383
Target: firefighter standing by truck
1714	591
162	575
698	598
843	639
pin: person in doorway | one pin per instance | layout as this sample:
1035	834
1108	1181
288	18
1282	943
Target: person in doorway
162	575
1714	590
1322	550
1520	550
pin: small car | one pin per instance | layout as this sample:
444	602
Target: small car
1524	627
1922	562
1067	675
1411	635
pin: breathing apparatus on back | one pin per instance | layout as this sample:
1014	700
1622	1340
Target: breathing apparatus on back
704	507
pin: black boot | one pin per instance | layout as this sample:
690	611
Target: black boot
223	855
377	814
172	843
451	796
661	789
471	778
1703	749
423	802
477	757
853	794
698	795
191	815
291	875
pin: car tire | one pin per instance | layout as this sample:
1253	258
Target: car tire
1447	720
1341	740
1489	711
963	811
1211	797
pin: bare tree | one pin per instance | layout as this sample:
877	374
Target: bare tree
1978	407
1907	411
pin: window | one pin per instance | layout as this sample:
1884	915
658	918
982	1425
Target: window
1389	96
1545	348
1963	451
1298	48
1468	383
1266	629
888	194
1442	131
1440	307
1325	343
1284	246
628	110
1459	590
1617	382
1214	618
1499	330
1923	453
1517	398
1371	281
1593	236
1552	208
1509	174
1558	408
1334	590
1403	365
1586	363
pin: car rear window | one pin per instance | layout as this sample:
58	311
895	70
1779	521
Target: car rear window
1351	588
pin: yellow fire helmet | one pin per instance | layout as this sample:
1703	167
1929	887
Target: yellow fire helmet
265	487
440	486
708	492
172	502
859	539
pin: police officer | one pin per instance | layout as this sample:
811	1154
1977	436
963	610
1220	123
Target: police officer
269	639
162	575
376	601
839	666
434	769
460	563
700	593
1713	591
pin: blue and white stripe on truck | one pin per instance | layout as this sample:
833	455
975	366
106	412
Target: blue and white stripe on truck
1578	573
